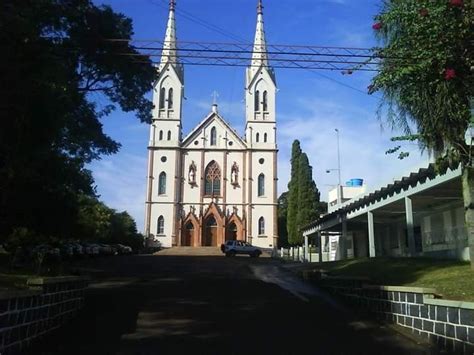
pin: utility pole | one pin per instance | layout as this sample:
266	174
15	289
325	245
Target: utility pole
339	186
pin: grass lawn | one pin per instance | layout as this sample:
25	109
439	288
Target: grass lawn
452	279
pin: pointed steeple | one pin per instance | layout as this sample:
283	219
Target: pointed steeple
260	55
169	54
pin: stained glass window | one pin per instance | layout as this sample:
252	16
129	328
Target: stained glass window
213	179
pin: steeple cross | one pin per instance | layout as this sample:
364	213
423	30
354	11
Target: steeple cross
215	96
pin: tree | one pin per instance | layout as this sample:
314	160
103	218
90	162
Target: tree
96	222
304	204
293	194
60	78
427	80
309	196
282	216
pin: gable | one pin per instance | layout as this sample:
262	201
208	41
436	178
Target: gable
223	133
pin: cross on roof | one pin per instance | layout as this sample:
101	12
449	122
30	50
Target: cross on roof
215	96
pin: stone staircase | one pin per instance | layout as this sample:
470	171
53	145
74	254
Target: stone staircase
190	251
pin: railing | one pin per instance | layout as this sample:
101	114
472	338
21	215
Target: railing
445	235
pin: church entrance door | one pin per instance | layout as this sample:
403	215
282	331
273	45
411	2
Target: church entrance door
210	233
188	236
232	232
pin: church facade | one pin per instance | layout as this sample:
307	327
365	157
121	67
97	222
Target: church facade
212	185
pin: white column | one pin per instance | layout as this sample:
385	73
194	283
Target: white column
320	242
343	242
370	225
410	227
306	248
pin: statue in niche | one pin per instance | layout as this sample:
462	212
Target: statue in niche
234	175
192	174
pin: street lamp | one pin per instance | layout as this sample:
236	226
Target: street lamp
339	194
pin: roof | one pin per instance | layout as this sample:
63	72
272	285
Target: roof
207	119
396	187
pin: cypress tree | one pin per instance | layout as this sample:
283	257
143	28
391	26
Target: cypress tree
304	205
282	215
308	196
293	194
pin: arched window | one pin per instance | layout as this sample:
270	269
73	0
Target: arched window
169	135
261	185
265	101
257	101
261	226
160	230
213	179
161	135
170	98
162	98
257	137
162	184
213	136
265	138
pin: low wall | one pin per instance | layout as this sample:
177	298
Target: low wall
448	324
46	305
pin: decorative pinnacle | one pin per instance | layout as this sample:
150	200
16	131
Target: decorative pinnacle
260	7
172	5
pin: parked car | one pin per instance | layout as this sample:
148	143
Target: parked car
107	249
78	249
67	250
45	249
123	249
234	247
91	249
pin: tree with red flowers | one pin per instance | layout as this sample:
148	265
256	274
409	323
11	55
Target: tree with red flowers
426	80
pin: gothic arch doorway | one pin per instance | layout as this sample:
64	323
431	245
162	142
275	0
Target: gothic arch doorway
209	238
232	232
187	239
235	228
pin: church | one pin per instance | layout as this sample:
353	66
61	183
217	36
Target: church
212	185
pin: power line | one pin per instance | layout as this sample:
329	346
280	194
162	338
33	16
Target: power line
227	34
344	59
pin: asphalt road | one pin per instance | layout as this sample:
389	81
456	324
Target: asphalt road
213	305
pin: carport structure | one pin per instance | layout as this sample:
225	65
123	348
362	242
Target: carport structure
419	215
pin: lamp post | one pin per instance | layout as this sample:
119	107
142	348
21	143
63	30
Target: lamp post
339	192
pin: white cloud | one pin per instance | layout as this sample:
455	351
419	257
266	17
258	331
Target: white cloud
121	184
362	145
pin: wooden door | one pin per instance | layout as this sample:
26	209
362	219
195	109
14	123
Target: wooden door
188	236
210	233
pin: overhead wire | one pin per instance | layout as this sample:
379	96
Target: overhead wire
201	22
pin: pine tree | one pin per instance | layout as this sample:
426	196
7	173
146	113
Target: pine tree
282	216
304	204
293	194
308	196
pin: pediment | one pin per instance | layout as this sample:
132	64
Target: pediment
223	130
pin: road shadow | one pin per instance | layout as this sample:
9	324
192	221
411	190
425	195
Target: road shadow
207	305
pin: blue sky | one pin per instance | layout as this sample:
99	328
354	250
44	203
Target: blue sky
310	104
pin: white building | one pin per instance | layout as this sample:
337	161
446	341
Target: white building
418	215
212	185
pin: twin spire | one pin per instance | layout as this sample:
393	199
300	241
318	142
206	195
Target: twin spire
260	54
170	53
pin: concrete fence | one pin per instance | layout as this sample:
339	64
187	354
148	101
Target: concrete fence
445	323
305	254
46	305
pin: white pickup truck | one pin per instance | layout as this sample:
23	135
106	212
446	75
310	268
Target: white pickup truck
234	247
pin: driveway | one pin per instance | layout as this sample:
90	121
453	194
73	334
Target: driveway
209	304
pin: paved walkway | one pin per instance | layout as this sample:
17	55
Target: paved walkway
201	251
208	305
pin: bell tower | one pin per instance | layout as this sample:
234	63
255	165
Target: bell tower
164	156
260	96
